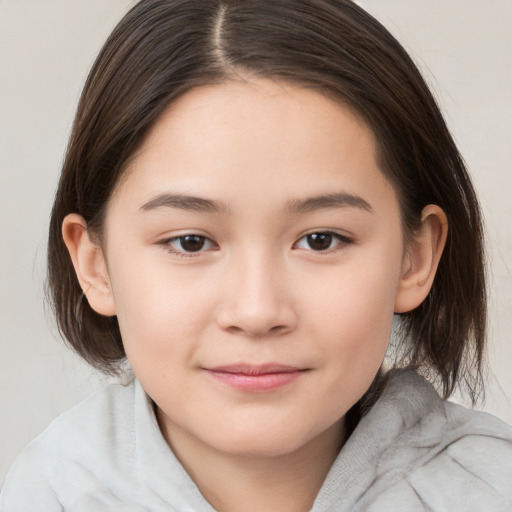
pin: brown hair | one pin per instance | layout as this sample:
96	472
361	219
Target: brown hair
163	48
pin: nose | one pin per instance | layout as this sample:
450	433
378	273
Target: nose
257	302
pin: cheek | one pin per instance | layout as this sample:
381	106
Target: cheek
354	312
355	336
157	311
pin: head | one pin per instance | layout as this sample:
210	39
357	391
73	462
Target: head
165	51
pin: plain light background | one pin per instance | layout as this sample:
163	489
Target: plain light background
46	49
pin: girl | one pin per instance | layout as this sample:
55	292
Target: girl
252	192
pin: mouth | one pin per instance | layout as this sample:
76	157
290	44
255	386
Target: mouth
256	378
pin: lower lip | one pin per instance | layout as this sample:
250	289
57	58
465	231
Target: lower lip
255	383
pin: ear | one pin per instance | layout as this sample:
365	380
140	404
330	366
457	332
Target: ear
421	259
89	263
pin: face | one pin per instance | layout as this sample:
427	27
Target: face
254	252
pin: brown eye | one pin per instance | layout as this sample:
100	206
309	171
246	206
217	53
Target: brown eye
320	241
191	243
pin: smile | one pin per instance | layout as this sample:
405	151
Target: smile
256	378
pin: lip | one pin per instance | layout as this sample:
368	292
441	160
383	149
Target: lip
256	378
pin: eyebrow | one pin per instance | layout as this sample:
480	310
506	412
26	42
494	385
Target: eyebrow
294	206
326	201
185	202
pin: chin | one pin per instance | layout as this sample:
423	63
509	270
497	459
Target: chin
275	441
259	448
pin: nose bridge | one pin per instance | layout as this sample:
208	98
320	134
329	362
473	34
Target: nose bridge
257	275
257	302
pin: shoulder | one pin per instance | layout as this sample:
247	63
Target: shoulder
72	445
100	418
452	458
471	463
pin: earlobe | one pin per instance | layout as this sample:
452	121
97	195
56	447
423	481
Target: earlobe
422	259
89	263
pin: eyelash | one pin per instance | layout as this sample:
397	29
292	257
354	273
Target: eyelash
167	243
342	241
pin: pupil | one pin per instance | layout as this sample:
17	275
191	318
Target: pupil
192	243
320	241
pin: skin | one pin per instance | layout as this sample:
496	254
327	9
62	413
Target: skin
256	292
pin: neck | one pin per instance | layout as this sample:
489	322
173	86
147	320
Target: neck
248	483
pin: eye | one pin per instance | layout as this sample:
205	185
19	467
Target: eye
322	241
187	245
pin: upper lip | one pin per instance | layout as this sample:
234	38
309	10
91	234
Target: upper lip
250	369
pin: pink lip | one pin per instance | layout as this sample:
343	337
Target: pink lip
266	377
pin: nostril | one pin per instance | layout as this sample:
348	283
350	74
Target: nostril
259	320
257	333
234	330
278	329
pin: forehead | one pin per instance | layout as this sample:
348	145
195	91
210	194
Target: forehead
230	141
